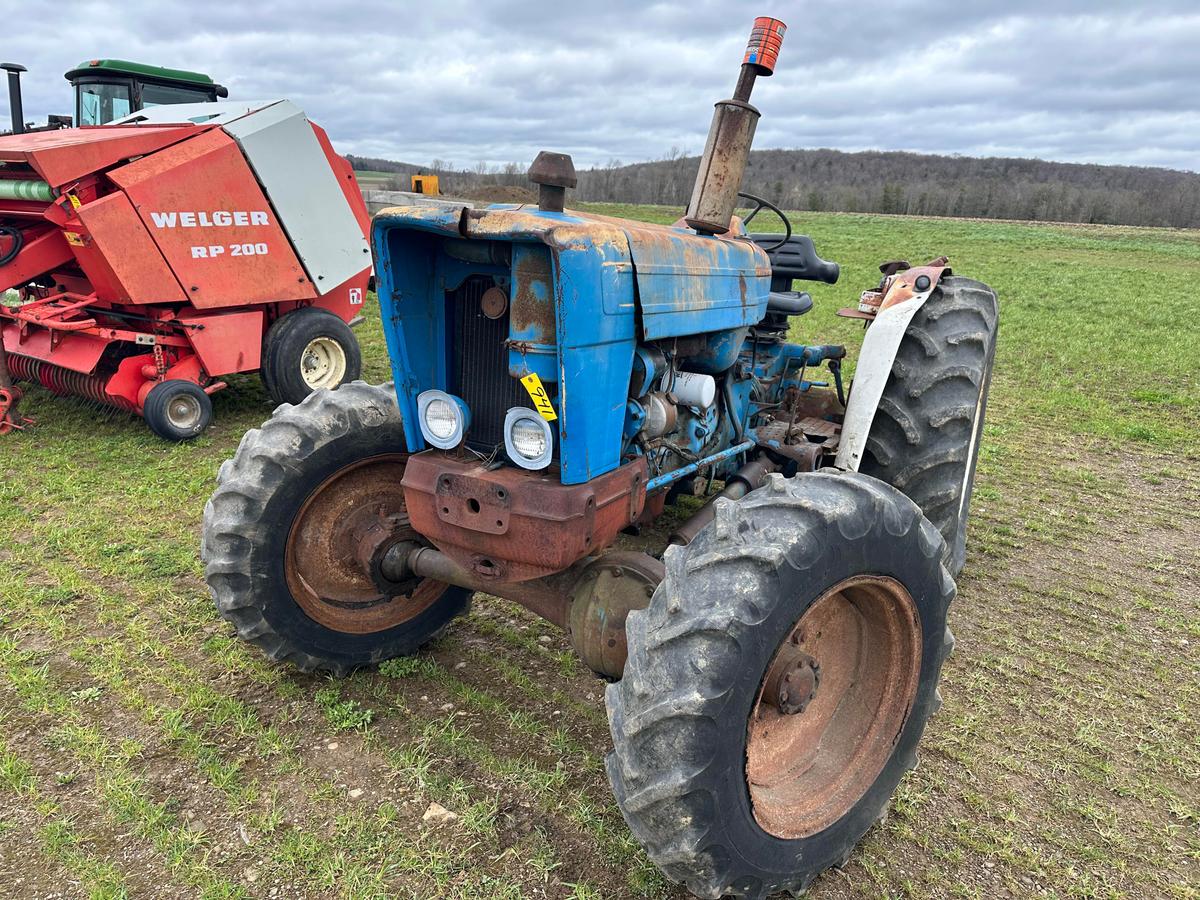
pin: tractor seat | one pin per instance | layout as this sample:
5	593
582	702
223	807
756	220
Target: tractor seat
795	258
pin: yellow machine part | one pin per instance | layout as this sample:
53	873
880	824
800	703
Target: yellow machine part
425	184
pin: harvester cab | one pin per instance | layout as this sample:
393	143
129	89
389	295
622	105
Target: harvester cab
559	378
110	89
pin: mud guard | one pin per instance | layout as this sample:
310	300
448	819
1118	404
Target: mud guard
903	293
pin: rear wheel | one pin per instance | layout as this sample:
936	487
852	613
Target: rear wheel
308	350
284	532
177	410
778	683
926	433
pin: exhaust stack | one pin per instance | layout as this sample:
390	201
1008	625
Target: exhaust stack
732	132
14	95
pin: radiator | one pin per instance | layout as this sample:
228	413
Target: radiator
479	365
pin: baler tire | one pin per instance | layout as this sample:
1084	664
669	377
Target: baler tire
682	715
167	401
926	434
286	345
260	493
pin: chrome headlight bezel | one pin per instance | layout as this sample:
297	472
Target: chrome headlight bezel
462	419
518	414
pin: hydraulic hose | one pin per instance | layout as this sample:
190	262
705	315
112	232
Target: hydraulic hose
18	241
739	430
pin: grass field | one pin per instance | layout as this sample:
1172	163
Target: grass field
144	752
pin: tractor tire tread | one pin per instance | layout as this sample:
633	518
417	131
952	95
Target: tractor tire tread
669	797
921	436
233	517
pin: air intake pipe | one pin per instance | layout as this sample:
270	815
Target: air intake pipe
732	132
14	71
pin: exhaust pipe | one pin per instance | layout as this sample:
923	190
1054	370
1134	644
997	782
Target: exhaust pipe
732	132
14	71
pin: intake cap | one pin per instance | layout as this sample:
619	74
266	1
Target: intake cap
554	169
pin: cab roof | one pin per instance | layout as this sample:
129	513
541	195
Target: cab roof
141	70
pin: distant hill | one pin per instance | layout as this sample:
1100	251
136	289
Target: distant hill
887	182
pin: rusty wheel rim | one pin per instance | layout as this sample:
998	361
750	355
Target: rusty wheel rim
358	507
858	648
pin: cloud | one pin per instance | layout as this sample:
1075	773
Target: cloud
496	82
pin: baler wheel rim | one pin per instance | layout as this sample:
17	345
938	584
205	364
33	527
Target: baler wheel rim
323	363
184	411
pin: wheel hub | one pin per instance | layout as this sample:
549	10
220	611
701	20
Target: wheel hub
792	681
832	705
335	543
184	411
323	363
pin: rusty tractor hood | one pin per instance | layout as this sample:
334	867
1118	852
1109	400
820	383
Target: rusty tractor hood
572	293
687	283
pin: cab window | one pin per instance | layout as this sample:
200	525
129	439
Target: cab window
100	103
162	95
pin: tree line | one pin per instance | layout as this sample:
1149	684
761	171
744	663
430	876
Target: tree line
880	182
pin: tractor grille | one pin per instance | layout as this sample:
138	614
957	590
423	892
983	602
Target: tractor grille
479	365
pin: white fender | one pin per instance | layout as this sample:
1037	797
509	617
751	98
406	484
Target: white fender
875	359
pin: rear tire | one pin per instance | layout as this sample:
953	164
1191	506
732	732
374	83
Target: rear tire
307	350
177	410
926	434
688	720
314	473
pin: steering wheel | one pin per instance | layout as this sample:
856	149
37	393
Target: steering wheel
759	205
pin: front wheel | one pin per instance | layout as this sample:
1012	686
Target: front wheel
284	530
778	683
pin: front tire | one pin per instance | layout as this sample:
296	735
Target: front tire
926	434
839	577
281	530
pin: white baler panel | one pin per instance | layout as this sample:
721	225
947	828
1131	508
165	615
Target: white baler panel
285	155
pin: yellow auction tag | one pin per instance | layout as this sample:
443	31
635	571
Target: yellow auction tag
74	201
537	393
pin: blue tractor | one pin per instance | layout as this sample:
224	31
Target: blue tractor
559	378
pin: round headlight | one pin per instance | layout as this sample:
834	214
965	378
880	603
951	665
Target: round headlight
440	418
443	419
528	438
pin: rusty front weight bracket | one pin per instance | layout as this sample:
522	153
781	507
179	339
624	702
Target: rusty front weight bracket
900	282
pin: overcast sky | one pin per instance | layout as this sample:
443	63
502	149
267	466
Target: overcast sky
497	80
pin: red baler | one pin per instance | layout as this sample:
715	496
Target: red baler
142	261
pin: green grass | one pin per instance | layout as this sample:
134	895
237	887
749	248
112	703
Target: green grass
1064	762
